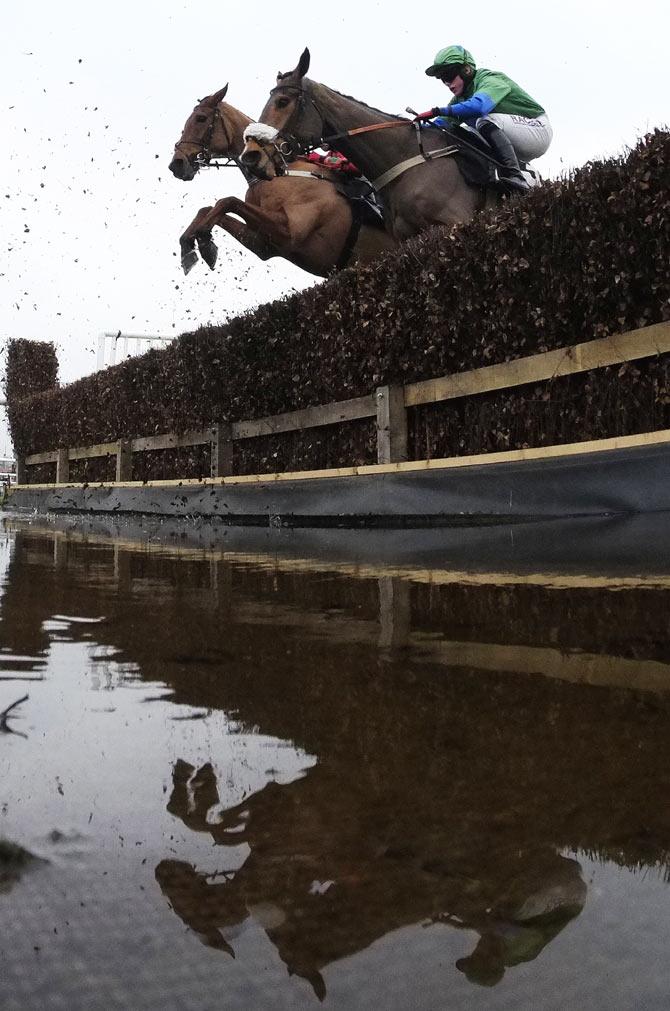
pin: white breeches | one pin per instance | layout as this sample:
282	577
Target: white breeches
530	138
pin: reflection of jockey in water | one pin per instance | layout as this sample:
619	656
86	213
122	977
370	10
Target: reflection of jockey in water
512	122
504	945
529	917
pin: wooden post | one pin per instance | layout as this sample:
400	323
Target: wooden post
121	564
221	583
394	612
124	460
21	477
62	467
60	550
222	450
391	424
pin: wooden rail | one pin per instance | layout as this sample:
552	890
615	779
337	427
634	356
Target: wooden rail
388	405
220	438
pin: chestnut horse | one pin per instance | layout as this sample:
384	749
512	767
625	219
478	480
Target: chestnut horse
301	217
416	191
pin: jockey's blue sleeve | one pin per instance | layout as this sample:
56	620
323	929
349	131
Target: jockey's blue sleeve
480	104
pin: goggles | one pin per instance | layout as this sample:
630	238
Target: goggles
450	72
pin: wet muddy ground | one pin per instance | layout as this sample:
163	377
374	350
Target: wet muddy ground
255	781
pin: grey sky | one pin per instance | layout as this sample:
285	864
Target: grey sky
94	98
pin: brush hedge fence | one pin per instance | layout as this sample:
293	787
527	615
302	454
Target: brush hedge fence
577	259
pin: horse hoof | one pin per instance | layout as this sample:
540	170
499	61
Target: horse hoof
189	260
209	252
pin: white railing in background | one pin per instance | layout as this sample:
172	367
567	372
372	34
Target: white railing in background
131	344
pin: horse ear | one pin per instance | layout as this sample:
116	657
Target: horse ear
218	96
303	65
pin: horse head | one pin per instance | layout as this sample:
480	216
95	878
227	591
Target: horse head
289	124
265	153
207	134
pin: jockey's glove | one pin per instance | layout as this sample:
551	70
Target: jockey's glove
430	114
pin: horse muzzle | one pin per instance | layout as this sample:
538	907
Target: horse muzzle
257	163
251	159
183	168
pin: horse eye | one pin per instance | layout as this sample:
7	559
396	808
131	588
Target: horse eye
200	119
282	103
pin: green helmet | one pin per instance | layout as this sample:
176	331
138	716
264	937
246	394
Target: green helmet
450	54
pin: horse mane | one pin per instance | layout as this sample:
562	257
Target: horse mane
373	108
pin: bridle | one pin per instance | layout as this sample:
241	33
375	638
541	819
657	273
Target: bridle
290	144
203	157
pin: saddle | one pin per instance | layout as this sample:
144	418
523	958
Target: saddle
476	160
365	205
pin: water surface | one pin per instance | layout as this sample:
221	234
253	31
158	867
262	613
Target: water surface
251	780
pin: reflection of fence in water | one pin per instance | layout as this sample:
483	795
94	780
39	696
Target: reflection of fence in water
394	626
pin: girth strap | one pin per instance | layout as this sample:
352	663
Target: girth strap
349	242
419	159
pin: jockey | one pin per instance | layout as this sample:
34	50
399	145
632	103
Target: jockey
507	117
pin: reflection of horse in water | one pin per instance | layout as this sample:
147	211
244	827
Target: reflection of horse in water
416	191
332	869
301	216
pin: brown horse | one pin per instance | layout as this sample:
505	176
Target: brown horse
301	217
416	191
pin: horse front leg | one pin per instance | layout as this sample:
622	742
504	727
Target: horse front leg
247	237
188	238
261	232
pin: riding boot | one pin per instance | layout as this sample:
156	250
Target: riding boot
510	173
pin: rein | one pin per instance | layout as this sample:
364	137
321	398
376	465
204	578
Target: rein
302	94
396	170
366	129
